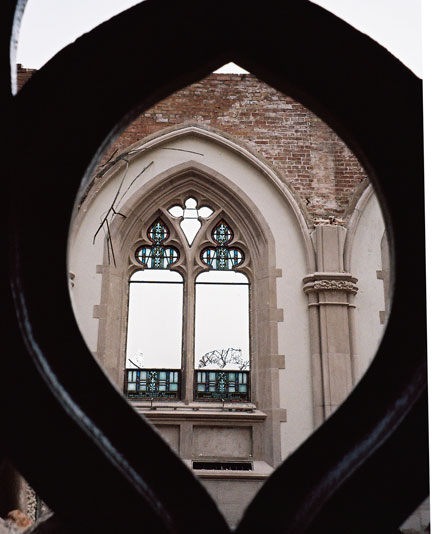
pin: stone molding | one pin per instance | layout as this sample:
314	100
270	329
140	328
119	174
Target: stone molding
225	141
318	282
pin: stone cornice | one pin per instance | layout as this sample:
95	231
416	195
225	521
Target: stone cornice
316	282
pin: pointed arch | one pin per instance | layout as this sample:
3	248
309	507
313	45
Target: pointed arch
229	143
193	162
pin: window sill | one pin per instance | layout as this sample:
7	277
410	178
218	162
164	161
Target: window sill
196	410
194	406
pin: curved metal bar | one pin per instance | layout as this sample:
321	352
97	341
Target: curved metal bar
95	461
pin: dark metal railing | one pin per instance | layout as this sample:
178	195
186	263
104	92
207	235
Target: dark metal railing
153	383
216	384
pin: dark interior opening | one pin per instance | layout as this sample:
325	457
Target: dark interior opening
223	466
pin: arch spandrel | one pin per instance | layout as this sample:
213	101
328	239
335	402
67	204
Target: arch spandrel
195	131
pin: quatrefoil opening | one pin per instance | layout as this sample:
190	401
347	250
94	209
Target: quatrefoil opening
190	223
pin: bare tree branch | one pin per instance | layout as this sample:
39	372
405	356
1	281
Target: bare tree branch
109	159
113	210
181	150
134	180
223	357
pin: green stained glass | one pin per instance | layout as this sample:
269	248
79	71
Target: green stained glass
157	256
152	383
158	232
222	233
229	385
222	257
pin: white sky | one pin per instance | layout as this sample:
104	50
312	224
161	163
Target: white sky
49	25
155	309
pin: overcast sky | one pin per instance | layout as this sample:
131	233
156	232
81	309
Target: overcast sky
49	25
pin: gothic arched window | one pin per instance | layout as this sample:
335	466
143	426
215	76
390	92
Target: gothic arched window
153	359
195	293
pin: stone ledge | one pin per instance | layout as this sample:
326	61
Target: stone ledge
198	415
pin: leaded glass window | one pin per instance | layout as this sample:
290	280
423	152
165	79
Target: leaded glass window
218	340
157	256
142	383
222	234
222	257
230	385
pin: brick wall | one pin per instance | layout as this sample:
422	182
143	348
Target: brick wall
308	155
23	75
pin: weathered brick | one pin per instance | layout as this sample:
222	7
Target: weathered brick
307	154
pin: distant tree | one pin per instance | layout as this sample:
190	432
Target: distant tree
223	357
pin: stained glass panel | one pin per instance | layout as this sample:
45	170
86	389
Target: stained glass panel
152	383
157	256
222	257
231	386
158	232
222	233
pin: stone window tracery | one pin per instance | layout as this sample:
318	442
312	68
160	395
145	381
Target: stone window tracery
212	331
190	217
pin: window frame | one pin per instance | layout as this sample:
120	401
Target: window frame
190	265
156	196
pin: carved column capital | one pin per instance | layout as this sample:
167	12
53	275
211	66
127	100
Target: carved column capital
318	282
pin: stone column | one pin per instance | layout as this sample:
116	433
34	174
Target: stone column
330	291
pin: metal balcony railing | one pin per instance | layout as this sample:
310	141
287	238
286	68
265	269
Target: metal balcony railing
153	383
216	384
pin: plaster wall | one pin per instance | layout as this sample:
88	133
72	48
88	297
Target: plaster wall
84	256
295	381
365	261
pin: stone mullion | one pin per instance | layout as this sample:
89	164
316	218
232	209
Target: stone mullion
188	337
